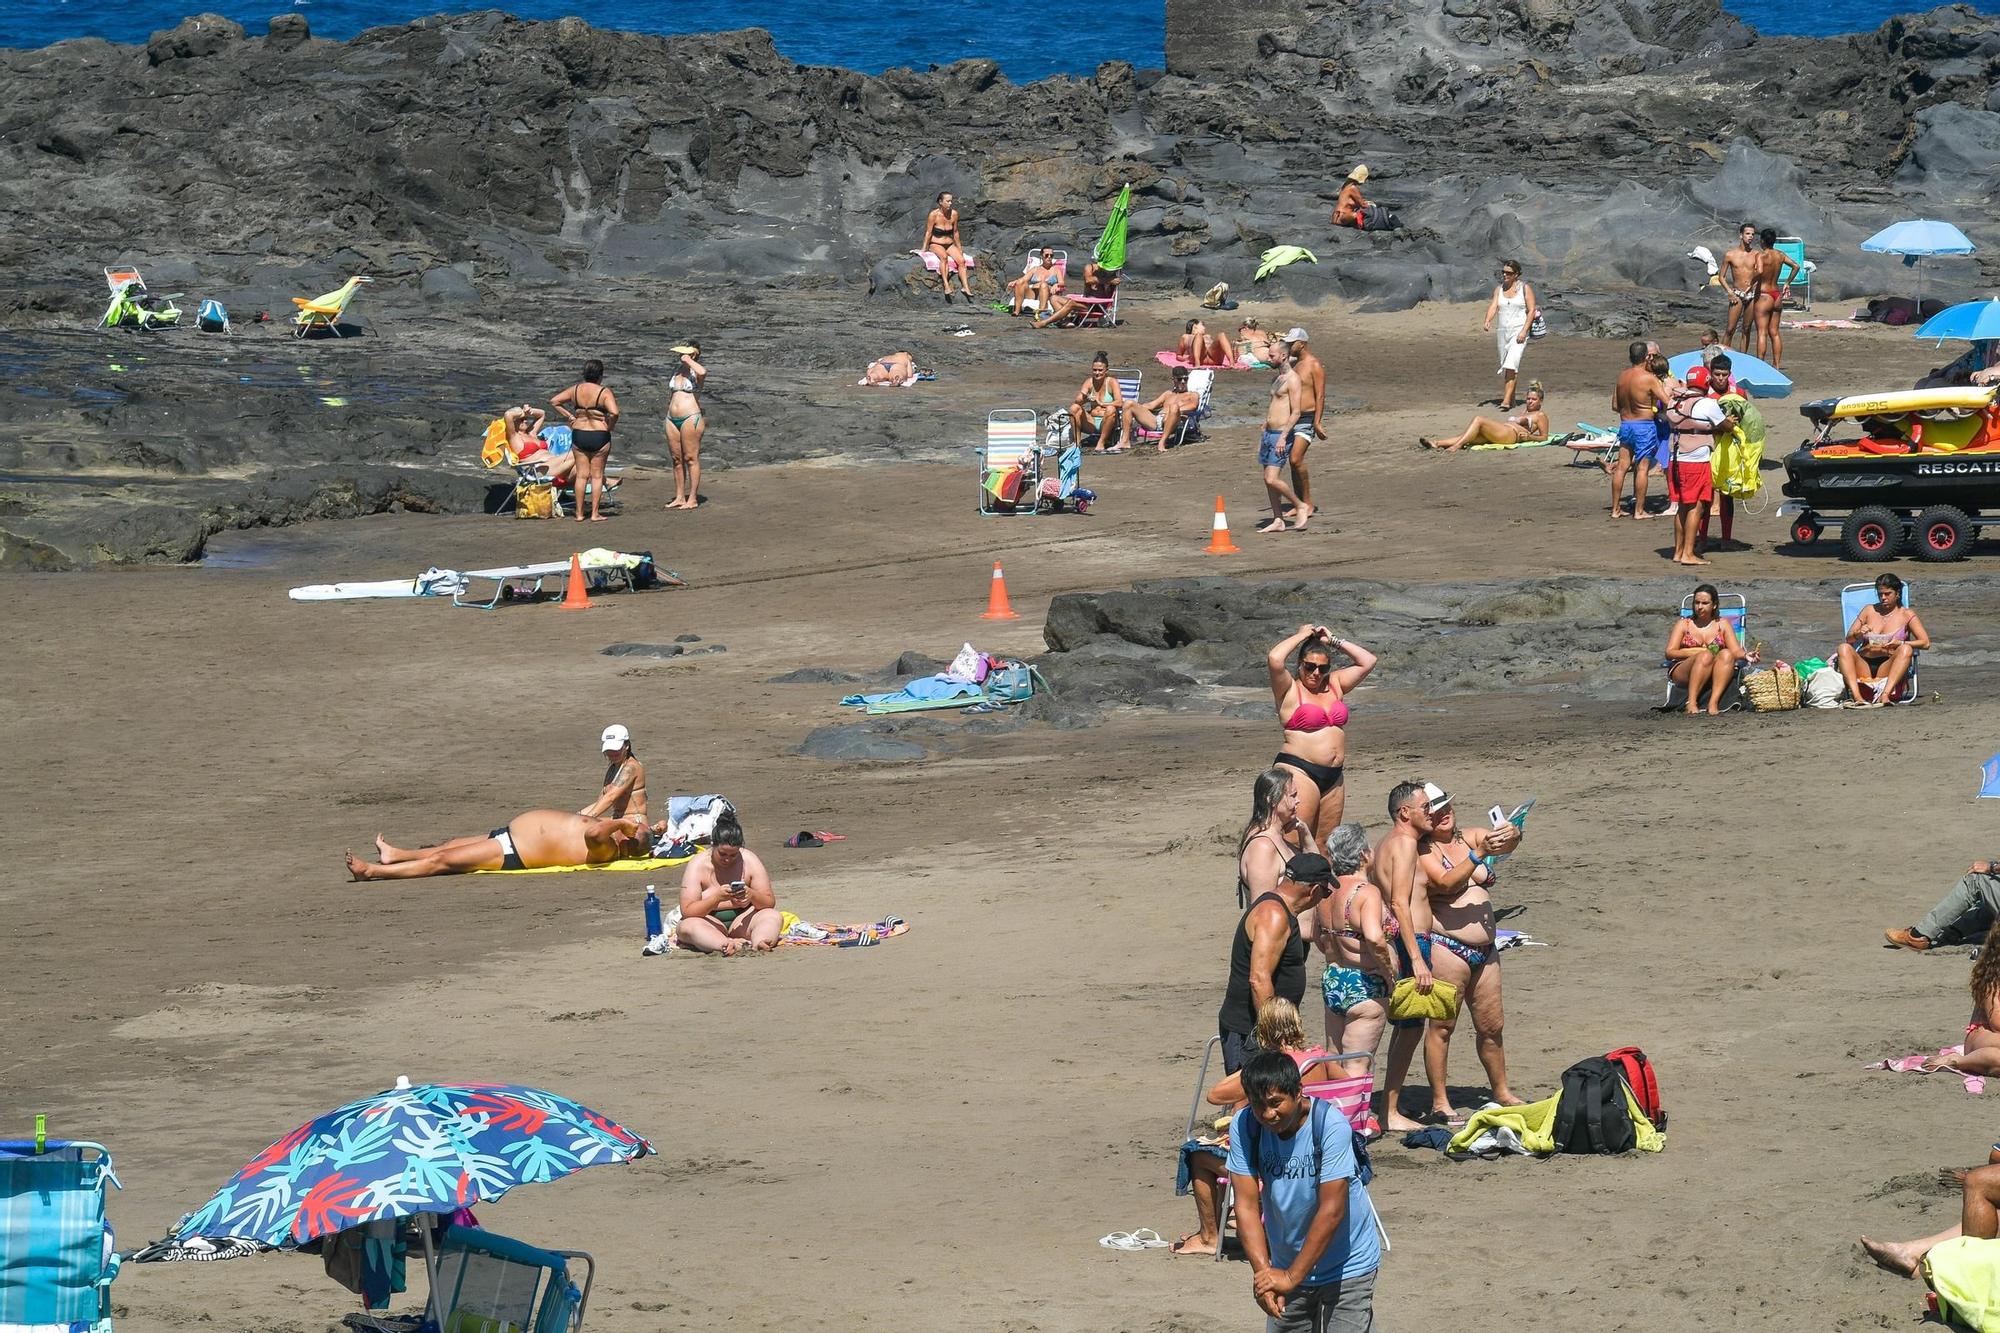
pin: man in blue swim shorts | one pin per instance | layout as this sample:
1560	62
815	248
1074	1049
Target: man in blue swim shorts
1394	870
1637	397
1288	398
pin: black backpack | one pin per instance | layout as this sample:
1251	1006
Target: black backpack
1592	1115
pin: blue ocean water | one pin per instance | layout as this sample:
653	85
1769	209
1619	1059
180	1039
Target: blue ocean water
869	35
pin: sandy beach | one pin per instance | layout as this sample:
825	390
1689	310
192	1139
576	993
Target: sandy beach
935	1131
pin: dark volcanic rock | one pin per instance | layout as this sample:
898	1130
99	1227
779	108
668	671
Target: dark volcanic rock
861	743
641	650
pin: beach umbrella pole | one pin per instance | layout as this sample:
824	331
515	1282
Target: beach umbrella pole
432	1302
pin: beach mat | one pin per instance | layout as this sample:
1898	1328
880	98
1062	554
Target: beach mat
1178	361
823	935
627	863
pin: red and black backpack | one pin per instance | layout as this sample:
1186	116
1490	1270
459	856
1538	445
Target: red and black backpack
1638	1072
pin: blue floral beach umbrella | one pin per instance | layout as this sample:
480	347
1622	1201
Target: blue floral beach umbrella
433	1148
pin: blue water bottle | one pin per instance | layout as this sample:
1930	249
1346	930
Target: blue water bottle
653	926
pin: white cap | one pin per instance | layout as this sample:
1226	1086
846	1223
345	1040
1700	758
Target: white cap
1436	798
615	738
1297	335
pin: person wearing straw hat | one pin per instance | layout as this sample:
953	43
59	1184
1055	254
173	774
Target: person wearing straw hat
1353	210
684	424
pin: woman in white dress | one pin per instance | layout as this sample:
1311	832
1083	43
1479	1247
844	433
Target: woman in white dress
1508	316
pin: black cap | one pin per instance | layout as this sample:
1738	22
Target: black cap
1309	868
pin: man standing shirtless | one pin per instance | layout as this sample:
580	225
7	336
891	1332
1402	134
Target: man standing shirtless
1637	395
1394	870
1739	279
535	840
1312	379
1456	885
1288	397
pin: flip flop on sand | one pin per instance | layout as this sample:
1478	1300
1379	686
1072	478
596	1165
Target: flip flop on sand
1145	1238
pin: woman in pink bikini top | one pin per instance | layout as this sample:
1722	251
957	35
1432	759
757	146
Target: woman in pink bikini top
1313	711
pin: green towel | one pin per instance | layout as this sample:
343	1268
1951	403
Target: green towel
1278	256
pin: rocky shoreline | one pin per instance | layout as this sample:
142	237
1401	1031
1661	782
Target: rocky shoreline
524	191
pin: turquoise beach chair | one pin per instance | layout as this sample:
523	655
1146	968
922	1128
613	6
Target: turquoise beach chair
1800	287
1858	597
1736	611
487	1283
56	1259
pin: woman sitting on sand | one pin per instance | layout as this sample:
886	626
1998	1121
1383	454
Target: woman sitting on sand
685	425
1203	1159
1532	424
1354	926
1312	709
1979	1215
592	413
1702	651
897	368
1253	345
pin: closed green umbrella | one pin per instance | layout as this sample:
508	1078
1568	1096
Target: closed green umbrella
1110	249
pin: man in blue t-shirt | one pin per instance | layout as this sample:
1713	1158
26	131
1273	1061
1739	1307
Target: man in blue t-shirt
1302	1209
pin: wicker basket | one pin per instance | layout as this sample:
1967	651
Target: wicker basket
1772	690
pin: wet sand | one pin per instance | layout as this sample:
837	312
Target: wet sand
938	1129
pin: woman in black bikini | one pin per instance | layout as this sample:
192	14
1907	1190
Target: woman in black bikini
1312	708
592	412
942	238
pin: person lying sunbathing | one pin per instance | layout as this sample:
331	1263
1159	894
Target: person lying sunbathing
1253	344
726	897
1042	280
1532	424
1979	1217
1165	412
533	840
1198	347
897	368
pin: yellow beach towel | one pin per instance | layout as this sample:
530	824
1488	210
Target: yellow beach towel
1965	1274
628	863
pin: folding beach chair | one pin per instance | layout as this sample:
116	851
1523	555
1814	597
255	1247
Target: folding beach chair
324	312
131	303
1736	610
56	1256
1010	465
494	1284
1590	446
535	494
1858	597
1062	273
1188	428
1350	1094
1096	311
1794	249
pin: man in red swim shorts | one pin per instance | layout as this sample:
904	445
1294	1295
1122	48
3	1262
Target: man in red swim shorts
1696	420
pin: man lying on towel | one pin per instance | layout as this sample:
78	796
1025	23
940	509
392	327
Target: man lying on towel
536	840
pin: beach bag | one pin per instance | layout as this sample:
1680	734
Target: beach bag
1637	1072
1592	1116
1011	682
1772	691
1538	327
1407	1002
1822	688
1963	1274
211	317
1376	217
536	501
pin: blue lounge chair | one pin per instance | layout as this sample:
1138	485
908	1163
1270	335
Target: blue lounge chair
1858	597
1736	611
487	1283
56	1259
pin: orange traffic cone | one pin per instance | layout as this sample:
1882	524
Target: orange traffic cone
1218	538
997	605
576	597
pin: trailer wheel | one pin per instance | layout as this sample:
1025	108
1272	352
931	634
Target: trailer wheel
1806	529
1944	532
1871	534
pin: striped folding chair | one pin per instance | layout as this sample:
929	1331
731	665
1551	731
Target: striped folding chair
56	1257
1010	468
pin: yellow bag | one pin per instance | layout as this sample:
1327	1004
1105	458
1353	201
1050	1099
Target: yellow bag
1406	1001
536	501
493	448
1965	1274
